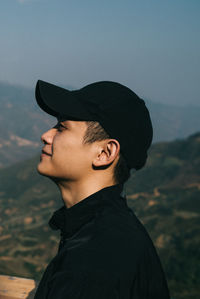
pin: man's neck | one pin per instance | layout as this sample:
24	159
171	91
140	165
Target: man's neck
73	192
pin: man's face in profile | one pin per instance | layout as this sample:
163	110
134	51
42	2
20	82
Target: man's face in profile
64	155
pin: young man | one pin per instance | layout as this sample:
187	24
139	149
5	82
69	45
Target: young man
103	130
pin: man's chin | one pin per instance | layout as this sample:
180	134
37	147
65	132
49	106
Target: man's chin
42	171
47	174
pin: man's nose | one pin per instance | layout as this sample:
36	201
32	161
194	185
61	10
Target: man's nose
47	137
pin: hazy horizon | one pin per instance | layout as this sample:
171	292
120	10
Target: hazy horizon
67	86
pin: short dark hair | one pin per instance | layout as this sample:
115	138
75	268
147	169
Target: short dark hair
95	132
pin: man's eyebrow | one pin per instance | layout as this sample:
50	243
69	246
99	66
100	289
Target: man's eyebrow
65	122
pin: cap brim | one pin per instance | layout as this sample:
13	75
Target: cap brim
57	101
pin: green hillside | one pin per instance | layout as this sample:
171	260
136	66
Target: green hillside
164	195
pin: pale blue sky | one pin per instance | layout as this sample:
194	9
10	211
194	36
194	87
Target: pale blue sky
151	46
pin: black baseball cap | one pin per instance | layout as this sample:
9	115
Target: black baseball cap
123	114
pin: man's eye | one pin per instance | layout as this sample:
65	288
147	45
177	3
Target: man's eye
60	127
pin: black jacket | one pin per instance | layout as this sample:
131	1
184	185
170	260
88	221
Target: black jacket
104	253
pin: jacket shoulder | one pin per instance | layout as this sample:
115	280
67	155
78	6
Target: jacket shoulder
118	244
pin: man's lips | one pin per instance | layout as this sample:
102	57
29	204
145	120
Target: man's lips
43	152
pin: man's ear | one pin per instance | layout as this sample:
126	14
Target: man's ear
108	150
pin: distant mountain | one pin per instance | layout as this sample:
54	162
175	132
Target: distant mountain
22	122
164	195
171	122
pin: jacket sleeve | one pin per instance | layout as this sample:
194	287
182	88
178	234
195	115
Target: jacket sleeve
68	285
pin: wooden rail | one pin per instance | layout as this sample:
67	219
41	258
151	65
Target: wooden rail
12	287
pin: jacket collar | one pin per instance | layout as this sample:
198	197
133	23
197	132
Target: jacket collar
69	220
